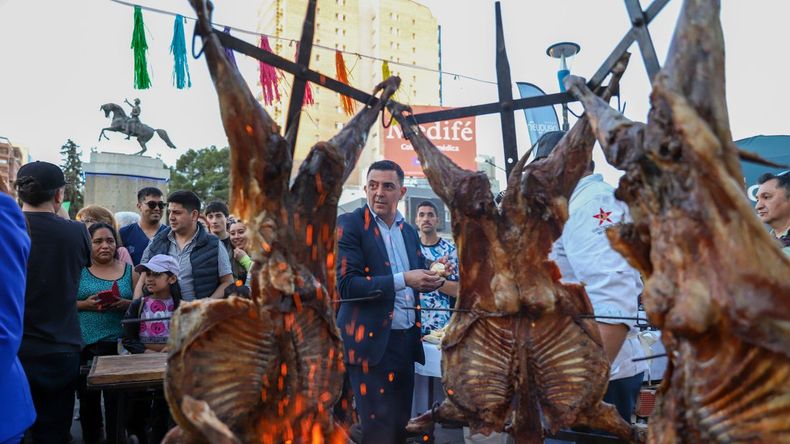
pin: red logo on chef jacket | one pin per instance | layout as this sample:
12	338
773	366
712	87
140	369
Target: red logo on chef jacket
603	216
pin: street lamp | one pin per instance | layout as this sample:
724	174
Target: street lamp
562	51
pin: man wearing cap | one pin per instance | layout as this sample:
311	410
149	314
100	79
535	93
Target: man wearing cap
51	342
583	254
204	264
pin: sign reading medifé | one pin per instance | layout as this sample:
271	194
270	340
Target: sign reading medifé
457	139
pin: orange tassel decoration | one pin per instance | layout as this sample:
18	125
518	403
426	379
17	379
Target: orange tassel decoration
342	76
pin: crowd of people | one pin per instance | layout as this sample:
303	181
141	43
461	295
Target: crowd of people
66	286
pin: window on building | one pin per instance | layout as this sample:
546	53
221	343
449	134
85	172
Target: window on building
413	50
413	35
339	125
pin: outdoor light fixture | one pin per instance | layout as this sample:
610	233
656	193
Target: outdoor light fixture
562	51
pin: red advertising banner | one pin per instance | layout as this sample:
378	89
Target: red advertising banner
455	138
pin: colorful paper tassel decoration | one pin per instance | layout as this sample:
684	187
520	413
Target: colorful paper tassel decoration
269	77
308	91
178	47
385	74
385	71
140	47
308	95
342	76
229	52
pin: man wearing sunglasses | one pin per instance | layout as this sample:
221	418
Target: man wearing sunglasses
135	237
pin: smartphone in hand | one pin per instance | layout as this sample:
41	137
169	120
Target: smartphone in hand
107	297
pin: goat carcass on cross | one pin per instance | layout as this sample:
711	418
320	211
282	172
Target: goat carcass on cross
270	368
522	352
717	284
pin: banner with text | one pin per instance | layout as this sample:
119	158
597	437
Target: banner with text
539	120
457	139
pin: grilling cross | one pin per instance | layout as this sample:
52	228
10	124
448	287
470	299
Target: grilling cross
505	106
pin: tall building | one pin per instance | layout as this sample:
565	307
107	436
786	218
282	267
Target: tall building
11	158
401	31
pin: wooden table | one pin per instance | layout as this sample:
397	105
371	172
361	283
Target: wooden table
144	371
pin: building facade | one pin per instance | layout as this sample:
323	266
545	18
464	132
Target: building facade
11	158
401	31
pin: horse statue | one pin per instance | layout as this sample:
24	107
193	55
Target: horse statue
131	126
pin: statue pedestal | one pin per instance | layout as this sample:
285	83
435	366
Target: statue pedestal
113	179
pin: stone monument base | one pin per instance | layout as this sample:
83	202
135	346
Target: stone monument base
113	179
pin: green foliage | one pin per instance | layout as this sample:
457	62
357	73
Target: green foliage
205	172
72	169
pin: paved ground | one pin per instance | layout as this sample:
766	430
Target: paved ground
441	436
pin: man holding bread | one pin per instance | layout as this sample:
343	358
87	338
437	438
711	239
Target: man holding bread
380	273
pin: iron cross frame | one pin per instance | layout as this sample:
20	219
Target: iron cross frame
505	106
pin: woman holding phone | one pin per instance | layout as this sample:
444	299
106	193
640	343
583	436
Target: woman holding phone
105	292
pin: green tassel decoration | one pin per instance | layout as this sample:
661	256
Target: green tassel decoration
140	47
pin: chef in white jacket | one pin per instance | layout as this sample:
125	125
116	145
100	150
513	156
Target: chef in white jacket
583	254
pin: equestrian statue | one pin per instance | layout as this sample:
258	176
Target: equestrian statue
131	125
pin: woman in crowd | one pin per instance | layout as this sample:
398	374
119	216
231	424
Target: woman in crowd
95	213
105	292
153	311
242	263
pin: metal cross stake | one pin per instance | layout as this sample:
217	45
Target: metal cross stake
506	106
298	87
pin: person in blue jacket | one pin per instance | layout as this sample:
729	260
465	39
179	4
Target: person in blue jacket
380	273
16	405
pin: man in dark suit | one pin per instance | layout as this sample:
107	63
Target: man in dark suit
381	272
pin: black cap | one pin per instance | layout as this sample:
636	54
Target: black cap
48	176
546	144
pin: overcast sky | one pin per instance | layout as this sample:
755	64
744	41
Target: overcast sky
61	60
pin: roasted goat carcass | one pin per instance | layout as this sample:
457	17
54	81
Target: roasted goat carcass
268	369
523	349
717	284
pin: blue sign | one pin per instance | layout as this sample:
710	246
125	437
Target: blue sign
539	120
773	148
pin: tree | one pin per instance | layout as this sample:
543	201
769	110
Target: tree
206	172
72	169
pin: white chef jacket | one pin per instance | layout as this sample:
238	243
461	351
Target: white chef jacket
583	254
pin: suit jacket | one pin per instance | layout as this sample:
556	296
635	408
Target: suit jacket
363	269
